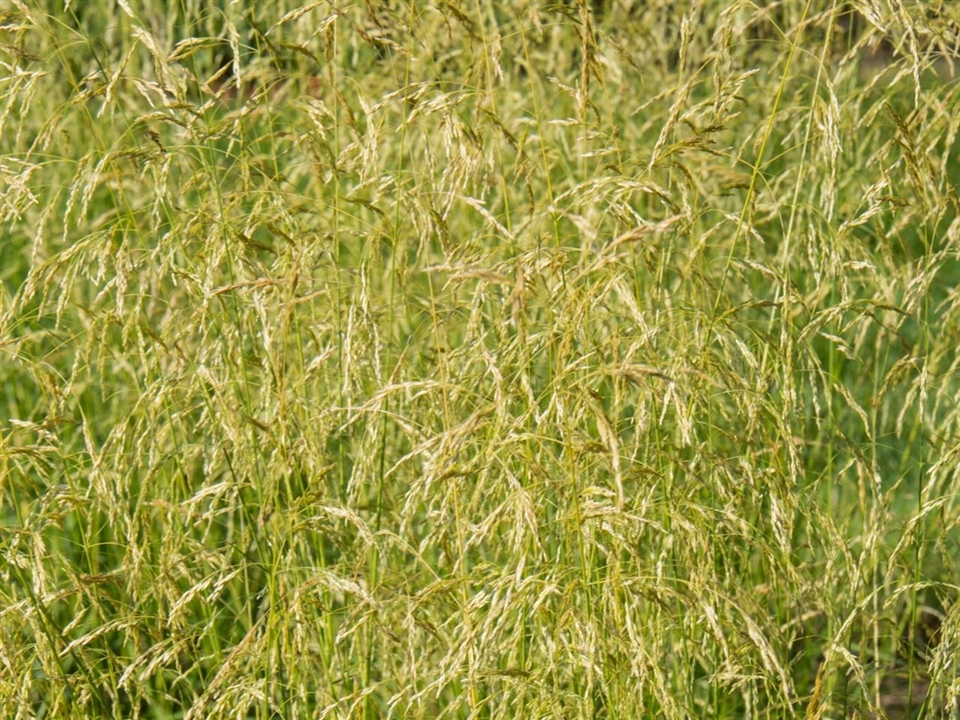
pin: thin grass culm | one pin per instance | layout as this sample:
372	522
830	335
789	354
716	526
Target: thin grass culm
584	360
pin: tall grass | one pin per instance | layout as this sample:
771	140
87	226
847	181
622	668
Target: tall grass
488	360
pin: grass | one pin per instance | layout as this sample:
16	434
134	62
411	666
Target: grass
479	360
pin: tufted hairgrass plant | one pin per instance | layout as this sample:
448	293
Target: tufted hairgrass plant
479	360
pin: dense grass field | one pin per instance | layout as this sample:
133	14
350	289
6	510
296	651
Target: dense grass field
479	359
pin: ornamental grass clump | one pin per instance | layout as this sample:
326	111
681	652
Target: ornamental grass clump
479	360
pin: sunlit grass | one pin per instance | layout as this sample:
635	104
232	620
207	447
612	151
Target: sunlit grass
493	360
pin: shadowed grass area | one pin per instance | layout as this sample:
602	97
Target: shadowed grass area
479	360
